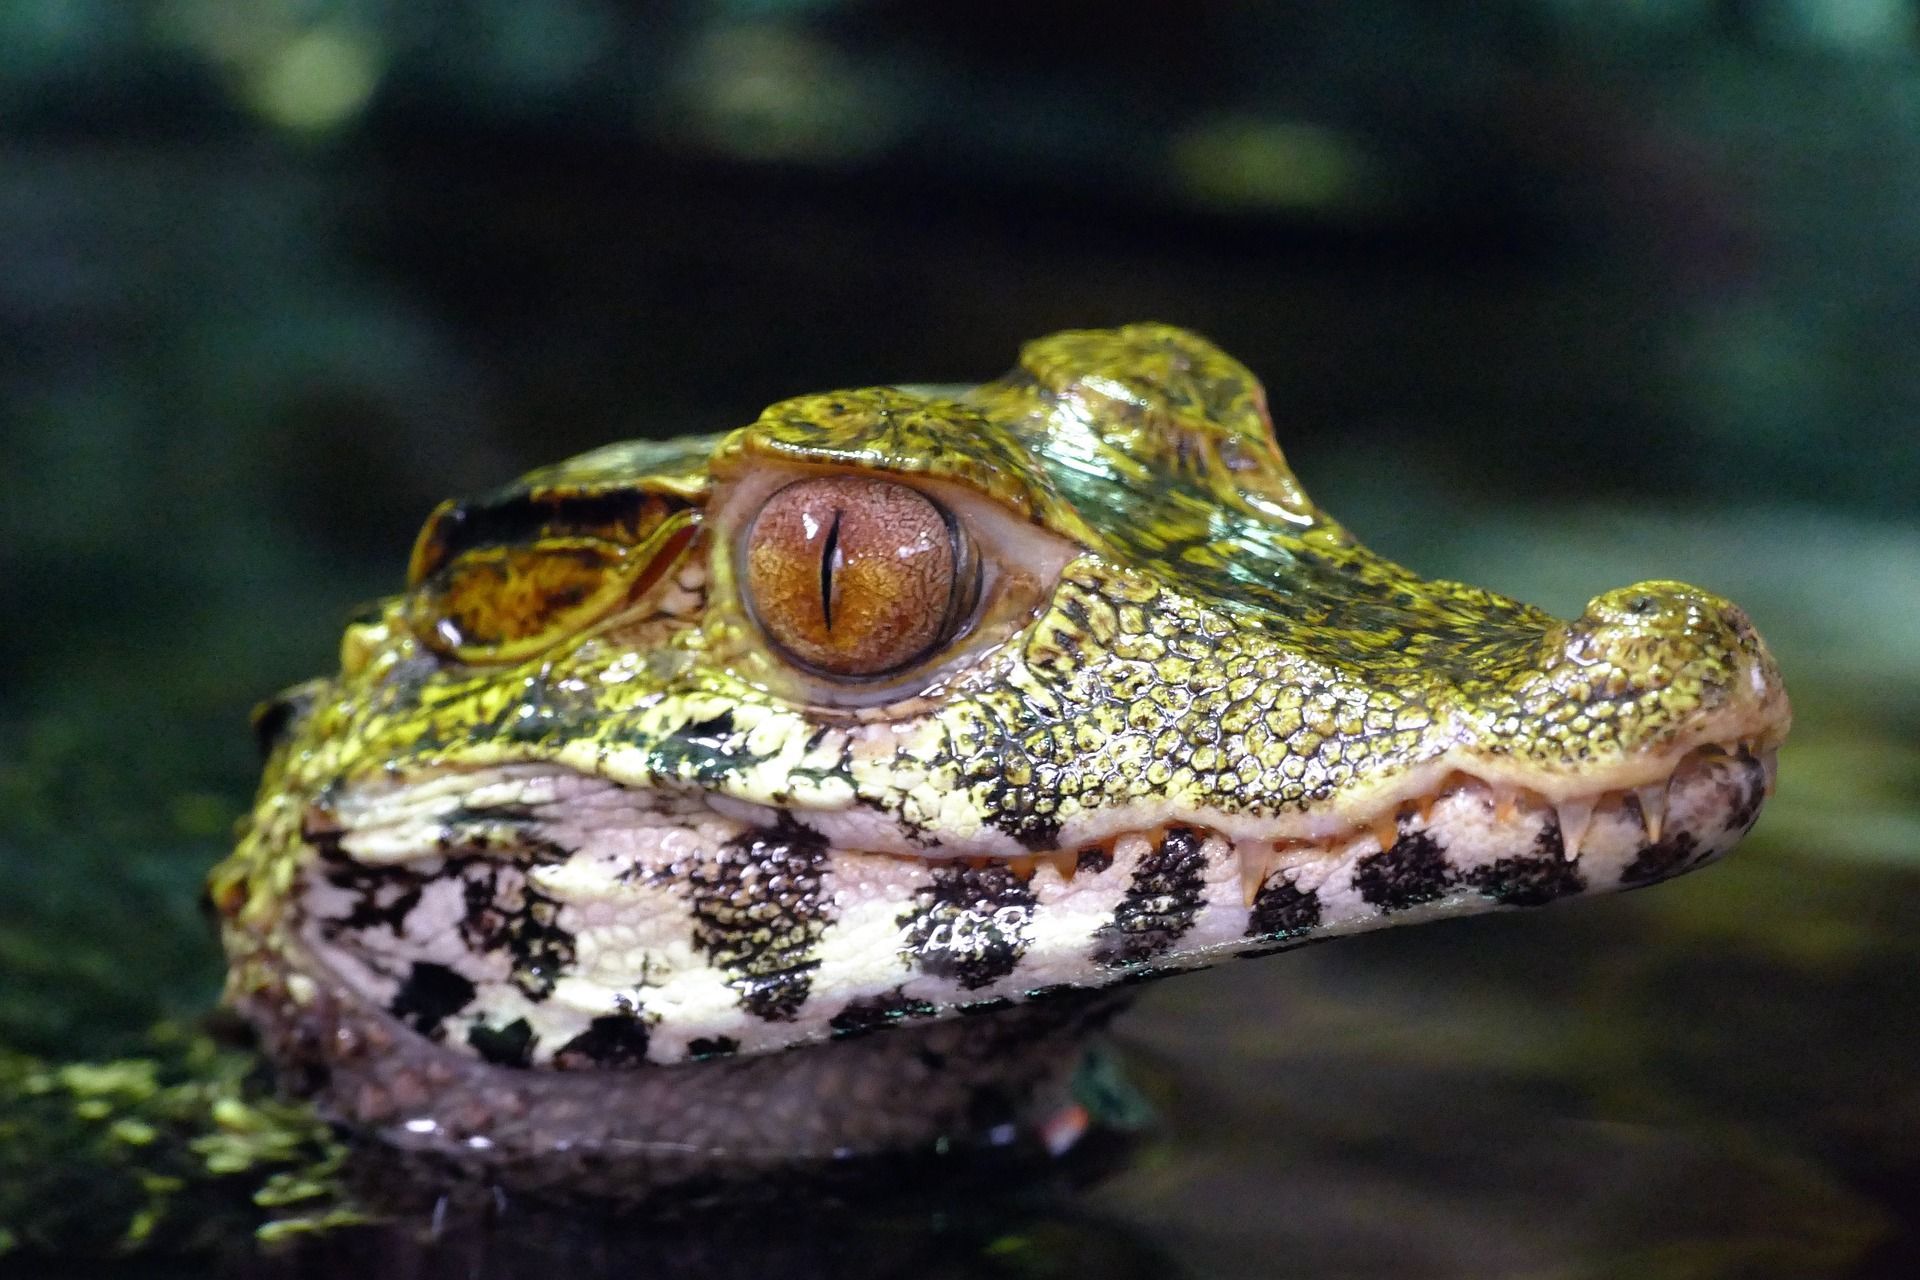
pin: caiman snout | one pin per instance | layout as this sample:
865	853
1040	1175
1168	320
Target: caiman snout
1667	609
1645	674
1653	629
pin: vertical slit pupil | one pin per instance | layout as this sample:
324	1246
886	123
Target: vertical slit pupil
828	554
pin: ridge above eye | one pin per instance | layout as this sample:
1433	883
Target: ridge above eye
856	576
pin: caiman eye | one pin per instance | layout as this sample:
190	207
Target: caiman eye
856	576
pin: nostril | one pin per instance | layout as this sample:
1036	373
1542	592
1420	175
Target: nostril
1648	604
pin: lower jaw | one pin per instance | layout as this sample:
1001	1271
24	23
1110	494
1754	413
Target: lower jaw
1128	914
992	1081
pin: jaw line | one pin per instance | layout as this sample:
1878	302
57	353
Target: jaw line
1517	790
1515	797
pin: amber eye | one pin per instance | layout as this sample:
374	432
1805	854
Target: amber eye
855	576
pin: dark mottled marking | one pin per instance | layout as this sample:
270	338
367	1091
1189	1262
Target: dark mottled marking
502	911
541	712
505	913
711	730
699	757
383	897
509	831
1413	871
1036	832
508	1046
887	1010
968	923
1093	858
1658	861
1750	785
431	994
1161	902
612	1040
1282	910
705	1047
759	913
1534	880
517	815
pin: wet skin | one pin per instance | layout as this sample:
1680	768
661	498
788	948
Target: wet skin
807	790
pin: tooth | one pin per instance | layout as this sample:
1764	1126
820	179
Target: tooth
1425	807
1386	830
1653	808
1770	767
1064	864
1022	867
1256	864
1505	804
1575	816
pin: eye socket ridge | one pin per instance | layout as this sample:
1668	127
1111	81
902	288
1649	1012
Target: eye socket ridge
858	578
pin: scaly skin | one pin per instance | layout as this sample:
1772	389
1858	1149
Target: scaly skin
567	850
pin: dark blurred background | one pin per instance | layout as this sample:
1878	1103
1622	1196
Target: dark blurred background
1551	295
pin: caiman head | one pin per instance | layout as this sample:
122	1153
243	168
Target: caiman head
897	705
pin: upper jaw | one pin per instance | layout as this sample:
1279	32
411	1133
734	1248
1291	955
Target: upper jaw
399	818
1752	732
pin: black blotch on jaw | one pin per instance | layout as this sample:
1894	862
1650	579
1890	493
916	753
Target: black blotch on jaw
1282	911
1412	872
887	1010
431	994
1658	861
968	923
1531	881
712	1047
508	1046
759	912
1161	902
612	1040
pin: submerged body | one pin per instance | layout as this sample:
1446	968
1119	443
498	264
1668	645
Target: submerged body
803	790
